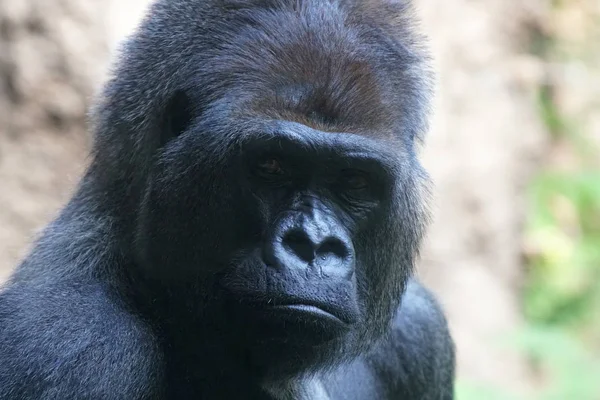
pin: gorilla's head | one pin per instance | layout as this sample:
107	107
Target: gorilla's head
267	160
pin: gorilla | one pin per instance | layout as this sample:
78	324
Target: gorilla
249	221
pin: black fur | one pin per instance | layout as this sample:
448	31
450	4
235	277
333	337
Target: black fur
164	276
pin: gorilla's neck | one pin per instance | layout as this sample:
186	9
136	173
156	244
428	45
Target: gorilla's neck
301	389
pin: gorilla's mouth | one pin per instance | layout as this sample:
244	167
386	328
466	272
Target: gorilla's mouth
307	315
308	311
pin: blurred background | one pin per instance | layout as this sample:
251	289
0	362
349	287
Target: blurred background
514	253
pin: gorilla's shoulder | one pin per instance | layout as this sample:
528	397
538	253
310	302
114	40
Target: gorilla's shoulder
419	305
418	353
420	319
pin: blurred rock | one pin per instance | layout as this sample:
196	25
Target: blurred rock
484	144
52	57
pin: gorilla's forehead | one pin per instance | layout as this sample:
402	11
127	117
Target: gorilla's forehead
315	70
347	100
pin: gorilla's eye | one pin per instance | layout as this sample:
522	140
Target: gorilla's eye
354	180
270	166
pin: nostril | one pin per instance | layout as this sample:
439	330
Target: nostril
333	246
299	244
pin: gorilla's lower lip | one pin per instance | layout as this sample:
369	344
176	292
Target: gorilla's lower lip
307	324
309	315
308	310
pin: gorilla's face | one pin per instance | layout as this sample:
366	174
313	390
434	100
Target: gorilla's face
297	239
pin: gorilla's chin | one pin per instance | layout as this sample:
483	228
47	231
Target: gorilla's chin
283	306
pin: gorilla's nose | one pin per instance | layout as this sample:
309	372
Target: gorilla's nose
298	243
302	247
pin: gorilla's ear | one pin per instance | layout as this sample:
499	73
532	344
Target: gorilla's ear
176	118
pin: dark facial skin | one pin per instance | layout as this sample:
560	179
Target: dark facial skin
250	219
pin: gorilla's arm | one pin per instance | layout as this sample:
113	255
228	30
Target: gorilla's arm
73	341
415	362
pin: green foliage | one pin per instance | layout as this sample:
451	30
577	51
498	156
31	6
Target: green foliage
570	370
469	391
562	292
564	231
561	297
548	111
